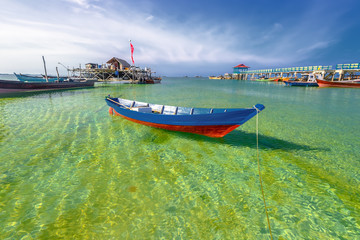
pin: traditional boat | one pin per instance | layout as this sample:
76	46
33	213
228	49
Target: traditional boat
301	83
157	79
7	86
288	79
341	84
216	77
152	80
212	122
37	78
307	80
265	79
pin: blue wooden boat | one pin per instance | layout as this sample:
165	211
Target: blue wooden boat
37	78
212	122
307	80
301	83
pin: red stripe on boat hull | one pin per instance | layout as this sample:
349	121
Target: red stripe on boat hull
210	131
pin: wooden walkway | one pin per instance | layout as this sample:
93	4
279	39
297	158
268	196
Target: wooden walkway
339	72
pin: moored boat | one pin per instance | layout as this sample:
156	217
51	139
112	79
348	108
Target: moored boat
157	79
307	80
212	122
341	84
216	77
300	84
265	79
37	78
7	86
152	80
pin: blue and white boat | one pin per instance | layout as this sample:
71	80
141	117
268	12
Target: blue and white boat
212	122
307	80
301	84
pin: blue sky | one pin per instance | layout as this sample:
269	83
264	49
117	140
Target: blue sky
177	38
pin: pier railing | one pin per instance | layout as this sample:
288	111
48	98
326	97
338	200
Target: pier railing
352	66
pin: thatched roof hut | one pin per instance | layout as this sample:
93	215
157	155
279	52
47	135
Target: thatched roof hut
118	64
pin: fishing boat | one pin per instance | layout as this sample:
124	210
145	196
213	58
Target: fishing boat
37	78
152	80
301	83
7	86
288	79
341	84
307	80
212	122
265	79
216	77
157	79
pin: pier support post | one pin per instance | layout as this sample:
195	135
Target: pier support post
341	75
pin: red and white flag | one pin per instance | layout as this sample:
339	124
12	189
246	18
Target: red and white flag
132	53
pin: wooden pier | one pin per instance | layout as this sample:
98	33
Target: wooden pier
339	73
115	69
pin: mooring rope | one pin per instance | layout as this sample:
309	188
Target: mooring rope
260	178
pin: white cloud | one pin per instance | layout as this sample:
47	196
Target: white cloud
149	18
95	35
315	46
82	3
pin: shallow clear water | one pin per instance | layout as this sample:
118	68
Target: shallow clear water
70	170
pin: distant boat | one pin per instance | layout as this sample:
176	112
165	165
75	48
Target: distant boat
80	79
265	79
308	80
152	80
37	78
212	122
7	86
157	79
216	77
301	84
340	84
288	79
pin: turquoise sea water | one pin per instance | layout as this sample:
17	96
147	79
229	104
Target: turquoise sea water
69	170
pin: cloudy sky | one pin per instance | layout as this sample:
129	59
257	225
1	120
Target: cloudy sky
177	38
